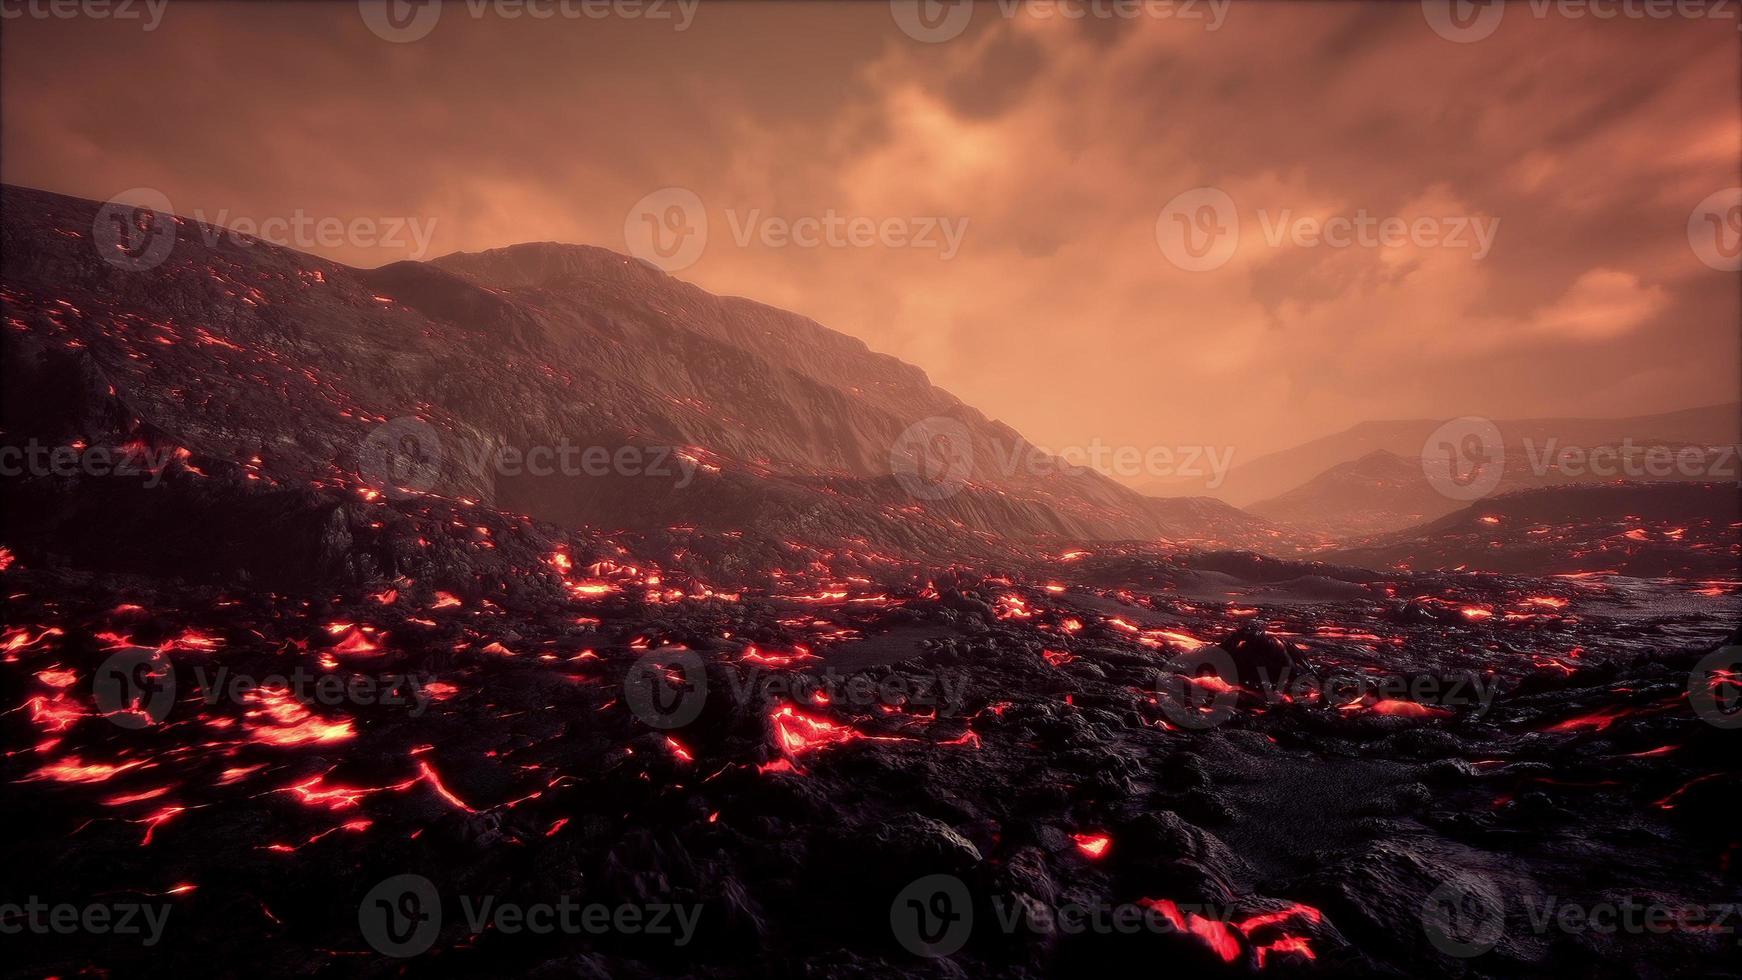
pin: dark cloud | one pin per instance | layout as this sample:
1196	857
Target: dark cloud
1057	142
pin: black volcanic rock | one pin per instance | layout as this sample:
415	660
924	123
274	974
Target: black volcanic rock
888	693
1262	661
736	417
1641	529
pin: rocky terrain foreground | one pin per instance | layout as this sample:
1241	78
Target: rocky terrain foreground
264	713
1286	765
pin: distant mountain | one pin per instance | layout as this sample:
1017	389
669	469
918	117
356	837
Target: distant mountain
1643	529
1381	491
1385	492
736	417
1208	523
1271	476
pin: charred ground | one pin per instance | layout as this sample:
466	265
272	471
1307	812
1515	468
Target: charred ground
1286	764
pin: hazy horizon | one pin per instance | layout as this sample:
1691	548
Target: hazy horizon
1558	278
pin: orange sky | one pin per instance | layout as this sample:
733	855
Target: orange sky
1053	144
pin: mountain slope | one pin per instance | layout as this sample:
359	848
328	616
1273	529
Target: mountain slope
1381	491
1277	473
1684	530
713	412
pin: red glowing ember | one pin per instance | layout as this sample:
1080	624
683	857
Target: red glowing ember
1093	846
